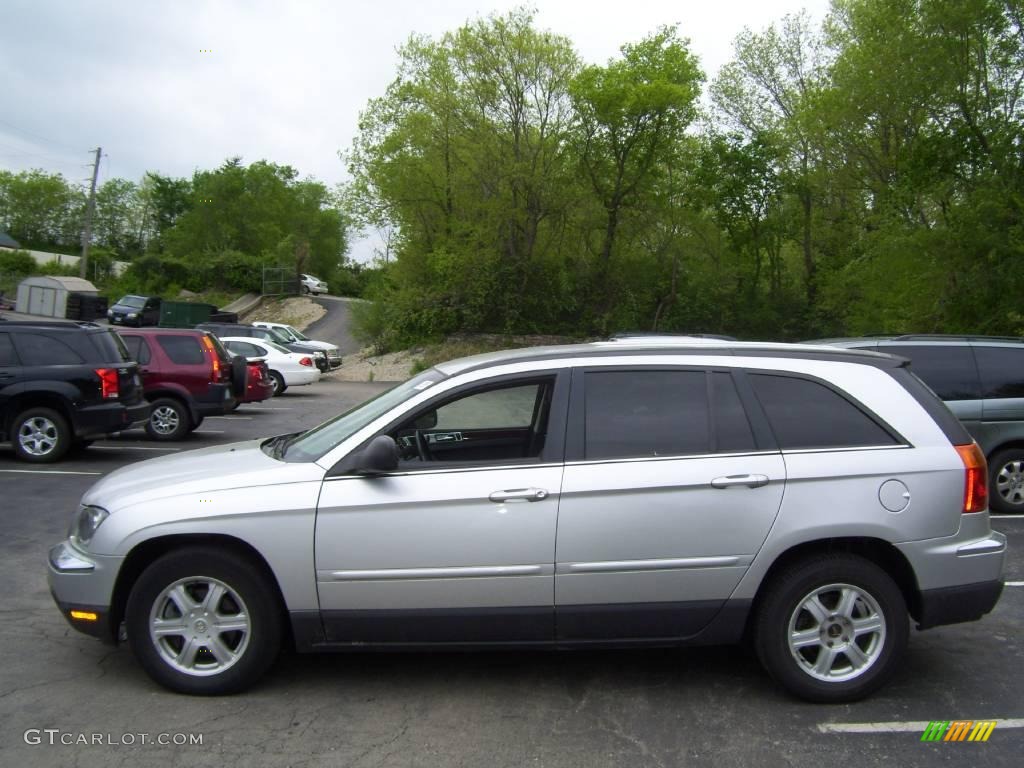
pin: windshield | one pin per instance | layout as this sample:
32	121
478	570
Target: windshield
297	334
276	335
135	302
311	445
285	331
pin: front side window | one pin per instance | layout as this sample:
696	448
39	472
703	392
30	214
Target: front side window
138	348
804	414
499	423
644	413
7	354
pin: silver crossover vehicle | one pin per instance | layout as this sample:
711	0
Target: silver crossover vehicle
632	492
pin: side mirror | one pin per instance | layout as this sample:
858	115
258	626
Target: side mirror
379	457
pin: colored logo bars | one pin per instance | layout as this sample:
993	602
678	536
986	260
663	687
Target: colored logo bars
958	730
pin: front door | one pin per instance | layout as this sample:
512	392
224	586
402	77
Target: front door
458	544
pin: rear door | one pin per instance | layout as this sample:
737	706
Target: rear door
668	494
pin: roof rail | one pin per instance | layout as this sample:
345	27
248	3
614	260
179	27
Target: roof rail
955	337
668	335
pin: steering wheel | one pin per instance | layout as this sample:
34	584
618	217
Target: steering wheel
421	445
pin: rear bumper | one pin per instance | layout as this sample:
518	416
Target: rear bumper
109	417
216	401
256	393
299	378
955	605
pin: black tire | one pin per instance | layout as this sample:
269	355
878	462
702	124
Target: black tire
78	446
248	592
1006	481
305	289
874	599
40	435
196	423
239	374
169	419
277	380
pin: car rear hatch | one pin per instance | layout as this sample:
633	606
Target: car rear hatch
118	373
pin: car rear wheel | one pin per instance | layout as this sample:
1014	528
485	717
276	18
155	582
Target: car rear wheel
277	383
40	435
169	420
831	628
204	621
1006	481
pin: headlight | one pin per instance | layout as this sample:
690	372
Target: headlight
85	523
110	313
133	314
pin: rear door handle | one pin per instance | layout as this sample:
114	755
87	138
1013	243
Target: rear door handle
519	494
730	481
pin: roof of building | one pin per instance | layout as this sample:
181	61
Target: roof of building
76	284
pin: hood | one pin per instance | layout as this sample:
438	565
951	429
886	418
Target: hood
220	468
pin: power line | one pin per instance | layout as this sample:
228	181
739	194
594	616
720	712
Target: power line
37	137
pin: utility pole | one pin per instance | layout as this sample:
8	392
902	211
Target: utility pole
87	232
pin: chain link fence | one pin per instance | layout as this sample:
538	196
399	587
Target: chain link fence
278	281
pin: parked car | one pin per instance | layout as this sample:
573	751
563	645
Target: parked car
981	379
186	375
224	330
287	368
310	284
294	335
62	384
135	310
618	493
258	384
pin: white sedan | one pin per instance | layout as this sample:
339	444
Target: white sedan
287	368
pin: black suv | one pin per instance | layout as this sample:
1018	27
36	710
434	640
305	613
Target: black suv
268	334
62	384
981	378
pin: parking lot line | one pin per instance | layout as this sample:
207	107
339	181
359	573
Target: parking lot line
209	432
997	518
1013	583
131	448
909	727
47	472
233	418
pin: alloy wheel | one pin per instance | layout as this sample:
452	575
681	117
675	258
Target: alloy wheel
165	419
38	436
1010	482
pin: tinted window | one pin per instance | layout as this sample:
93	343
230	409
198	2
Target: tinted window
645	413
732	429
948	369
1002	371
36	349
246	350
183	350
805	414
137	348
111	347
7	353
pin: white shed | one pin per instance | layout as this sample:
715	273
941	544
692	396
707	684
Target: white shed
47	295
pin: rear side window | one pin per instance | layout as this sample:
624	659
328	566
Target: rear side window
36	349
137	348
806	414
732	428
1002	371
948	369
7	354
183	350
634	414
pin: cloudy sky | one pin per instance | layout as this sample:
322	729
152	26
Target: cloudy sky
172	86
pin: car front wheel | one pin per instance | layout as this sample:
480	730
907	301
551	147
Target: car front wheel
204	621
832	628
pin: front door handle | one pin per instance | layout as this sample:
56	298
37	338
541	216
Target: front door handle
730	481
519	494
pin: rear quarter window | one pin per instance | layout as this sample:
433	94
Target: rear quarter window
37	349
7	354
804	414
110	347
1001	370
948	369
183	350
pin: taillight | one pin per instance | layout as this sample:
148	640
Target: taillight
305	361
108	382
975	477
255	373
208	345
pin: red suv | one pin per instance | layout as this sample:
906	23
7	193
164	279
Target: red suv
186	375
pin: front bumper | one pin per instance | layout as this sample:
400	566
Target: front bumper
84	583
